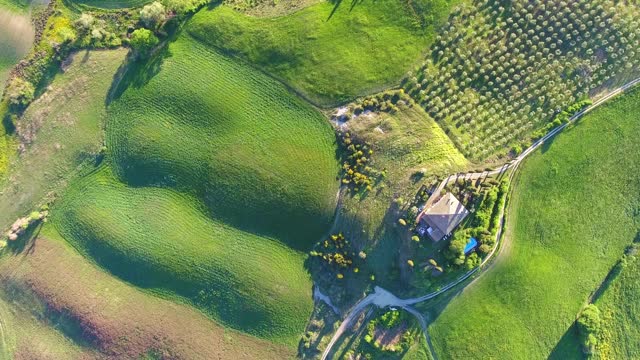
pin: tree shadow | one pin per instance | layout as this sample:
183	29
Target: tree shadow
26	242
337	4
136	73
324	312
568	347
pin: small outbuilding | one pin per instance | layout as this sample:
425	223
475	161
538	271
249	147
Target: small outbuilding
441	218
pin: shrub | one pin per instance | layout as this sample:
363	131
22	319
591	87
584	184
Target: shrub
85	22
20	92
589	324
142	41
183	7
153	15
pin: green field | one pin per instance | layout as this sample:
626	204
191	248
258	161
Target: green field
223	180
329	53
88	313
573	212
620	308
157	239
15	5
259	158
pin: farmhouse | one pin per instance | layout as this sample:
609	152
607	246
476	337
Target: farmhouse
441	218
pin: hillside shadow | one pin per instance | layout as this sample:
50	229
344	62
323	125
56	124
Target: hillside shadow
568	348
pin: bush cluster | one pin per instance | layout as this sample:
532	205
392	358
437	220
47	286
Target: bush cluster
388	321
337	254
589	325
501	70
357	173
561	118
389	101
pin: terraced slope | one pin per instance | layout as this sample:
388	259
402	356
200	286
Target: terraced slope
329	52
216	179
573	212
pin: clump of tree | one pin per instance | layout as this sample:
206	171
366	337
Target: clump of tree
180	8
389	321
337	254
21	225
143	41
561	118
153	15
357	172
20	92
390	101
96	32
589	325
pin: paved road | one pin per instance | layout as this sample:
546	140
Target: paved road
383	298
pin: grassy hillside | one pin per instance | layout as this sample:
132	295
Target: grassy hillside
620	308
60	132
329	52
222	176
261	159
500	70
571	216
89	314
158	240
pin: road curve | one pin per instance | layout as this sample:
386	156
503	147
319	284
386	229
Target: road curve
383	298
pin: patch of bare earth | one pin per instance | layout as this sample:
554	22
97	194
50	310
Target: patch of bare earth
390	337
117	320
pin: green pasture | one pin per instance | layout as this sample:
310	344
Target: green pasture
260	159
330	52
216	180
620	308
15	5
574	209
160	240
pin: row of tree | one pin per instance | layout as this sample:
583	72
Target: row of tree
501	70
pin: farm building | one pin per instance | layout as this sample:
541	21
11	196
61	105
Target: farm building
441	218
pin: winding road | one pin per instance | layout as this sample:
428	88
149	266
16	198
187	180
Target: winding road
383	298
